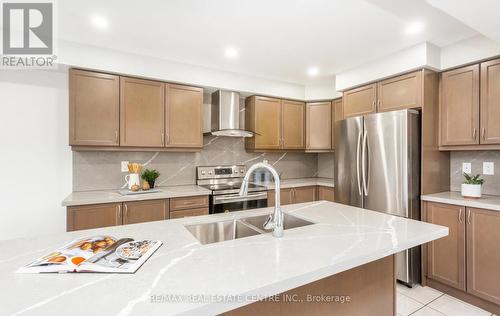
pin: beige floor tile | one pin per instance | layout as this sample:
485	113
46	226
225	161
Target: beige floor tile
453	307
427	311
419	293
405	305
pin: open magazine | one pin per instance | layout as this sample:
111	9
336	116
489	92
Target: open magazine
96	254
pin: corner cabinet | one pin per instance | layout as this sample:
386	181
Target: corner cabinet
468	258
319	126
94	108
184	117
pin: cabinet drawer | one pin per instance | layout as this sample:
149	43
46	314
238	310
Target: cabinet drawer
188	213
188	202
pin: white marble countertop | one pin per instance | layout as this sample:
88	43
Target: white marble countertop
302	182
112	196
342	238
490	202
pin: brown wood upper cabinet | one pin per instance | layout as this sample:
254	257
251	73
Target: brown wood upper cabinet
292	124
142	113
144	211
402	92
93	216
459	110
483	255
446	256
490	102
278	124
360	101
94	108
319	126
184	116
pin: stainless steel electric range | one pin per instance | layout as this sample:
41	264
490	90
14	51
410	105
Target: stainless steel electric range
225	183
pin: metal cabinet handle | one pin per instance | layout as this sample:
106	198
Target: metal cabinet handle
373	104
460	220
468	216
119	214
116	136
379	104
126	210
162	138
474	133
484	133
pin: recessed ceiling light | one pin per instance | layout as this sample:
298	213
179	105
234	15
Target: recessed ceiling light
99	22
313	71
414	28
231	53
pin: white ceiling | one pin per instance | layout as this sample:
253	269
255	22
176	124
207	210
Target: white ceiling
276	39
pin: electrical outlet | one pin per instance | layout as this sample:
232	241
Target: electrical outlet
488	168
466	167
124	166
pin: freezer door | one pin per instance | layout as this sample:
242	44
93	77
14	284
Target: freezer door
348	137
390	162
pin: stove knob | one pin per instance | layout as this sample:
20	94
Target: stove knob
210	172
242	171
235	171
203	172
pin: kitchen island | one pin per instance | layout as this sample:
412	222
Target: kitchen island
186	277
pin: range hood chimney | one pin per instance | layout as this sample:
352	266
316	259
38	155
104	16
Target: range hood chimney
226	115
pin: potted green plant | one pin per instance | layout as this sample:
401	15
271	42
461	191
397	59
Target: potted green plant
150	176
471	188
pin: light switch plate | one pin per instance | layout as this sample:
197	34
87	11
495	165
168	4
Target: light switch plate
488	168
466	167
124	166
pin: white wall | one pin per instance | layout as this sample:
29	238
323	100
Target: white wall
35	157
467	51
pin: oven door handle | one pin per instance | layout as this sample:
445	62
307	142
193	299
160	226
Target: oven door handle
237	198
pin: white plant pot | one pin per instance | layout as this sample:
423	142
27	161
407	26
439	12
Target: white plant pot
471	191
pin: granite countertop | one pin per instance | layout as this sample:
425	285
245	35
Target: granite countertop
342	238
490	202
112	196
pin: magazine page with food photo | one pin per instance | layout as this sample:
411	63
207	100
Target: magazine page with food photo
105	254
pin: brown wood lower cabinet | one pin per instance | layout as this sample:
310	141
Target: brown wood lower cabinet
293	195
370	289
144	211
114	214
466	263
93	216
326	193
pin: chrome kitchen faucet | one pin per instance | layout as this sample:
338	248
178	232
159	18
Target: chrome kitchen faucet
274	221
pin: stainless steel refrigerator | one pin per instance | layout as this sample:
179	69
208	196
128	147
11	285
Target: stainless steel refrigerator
377	167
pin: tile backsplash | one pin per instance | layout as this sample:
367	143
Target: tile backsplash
476	158
326	165
101	170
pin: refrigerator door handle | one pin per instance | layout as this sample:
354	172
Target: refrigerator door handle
366	174
358	151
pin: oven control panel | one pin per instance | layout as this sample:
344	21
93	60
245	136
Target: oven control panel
216	172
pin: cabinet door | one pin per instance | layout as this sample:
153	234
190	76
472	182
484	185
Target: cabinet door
142	113
93	216
360	101
483	254
337	110
446	256
285	197
402	92
490	102
304	194
326	193
319	126
263	117
459	110
184	117
144	211
293	124
94	108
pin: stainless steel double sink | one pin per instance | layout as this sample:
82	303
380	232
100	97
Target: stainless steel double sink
208	233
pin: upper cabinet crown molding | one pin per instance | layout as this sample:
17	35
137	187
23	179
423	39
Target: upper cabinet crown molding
94	108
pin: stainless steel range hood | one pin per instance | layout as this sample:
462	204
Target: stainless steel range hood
226	115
